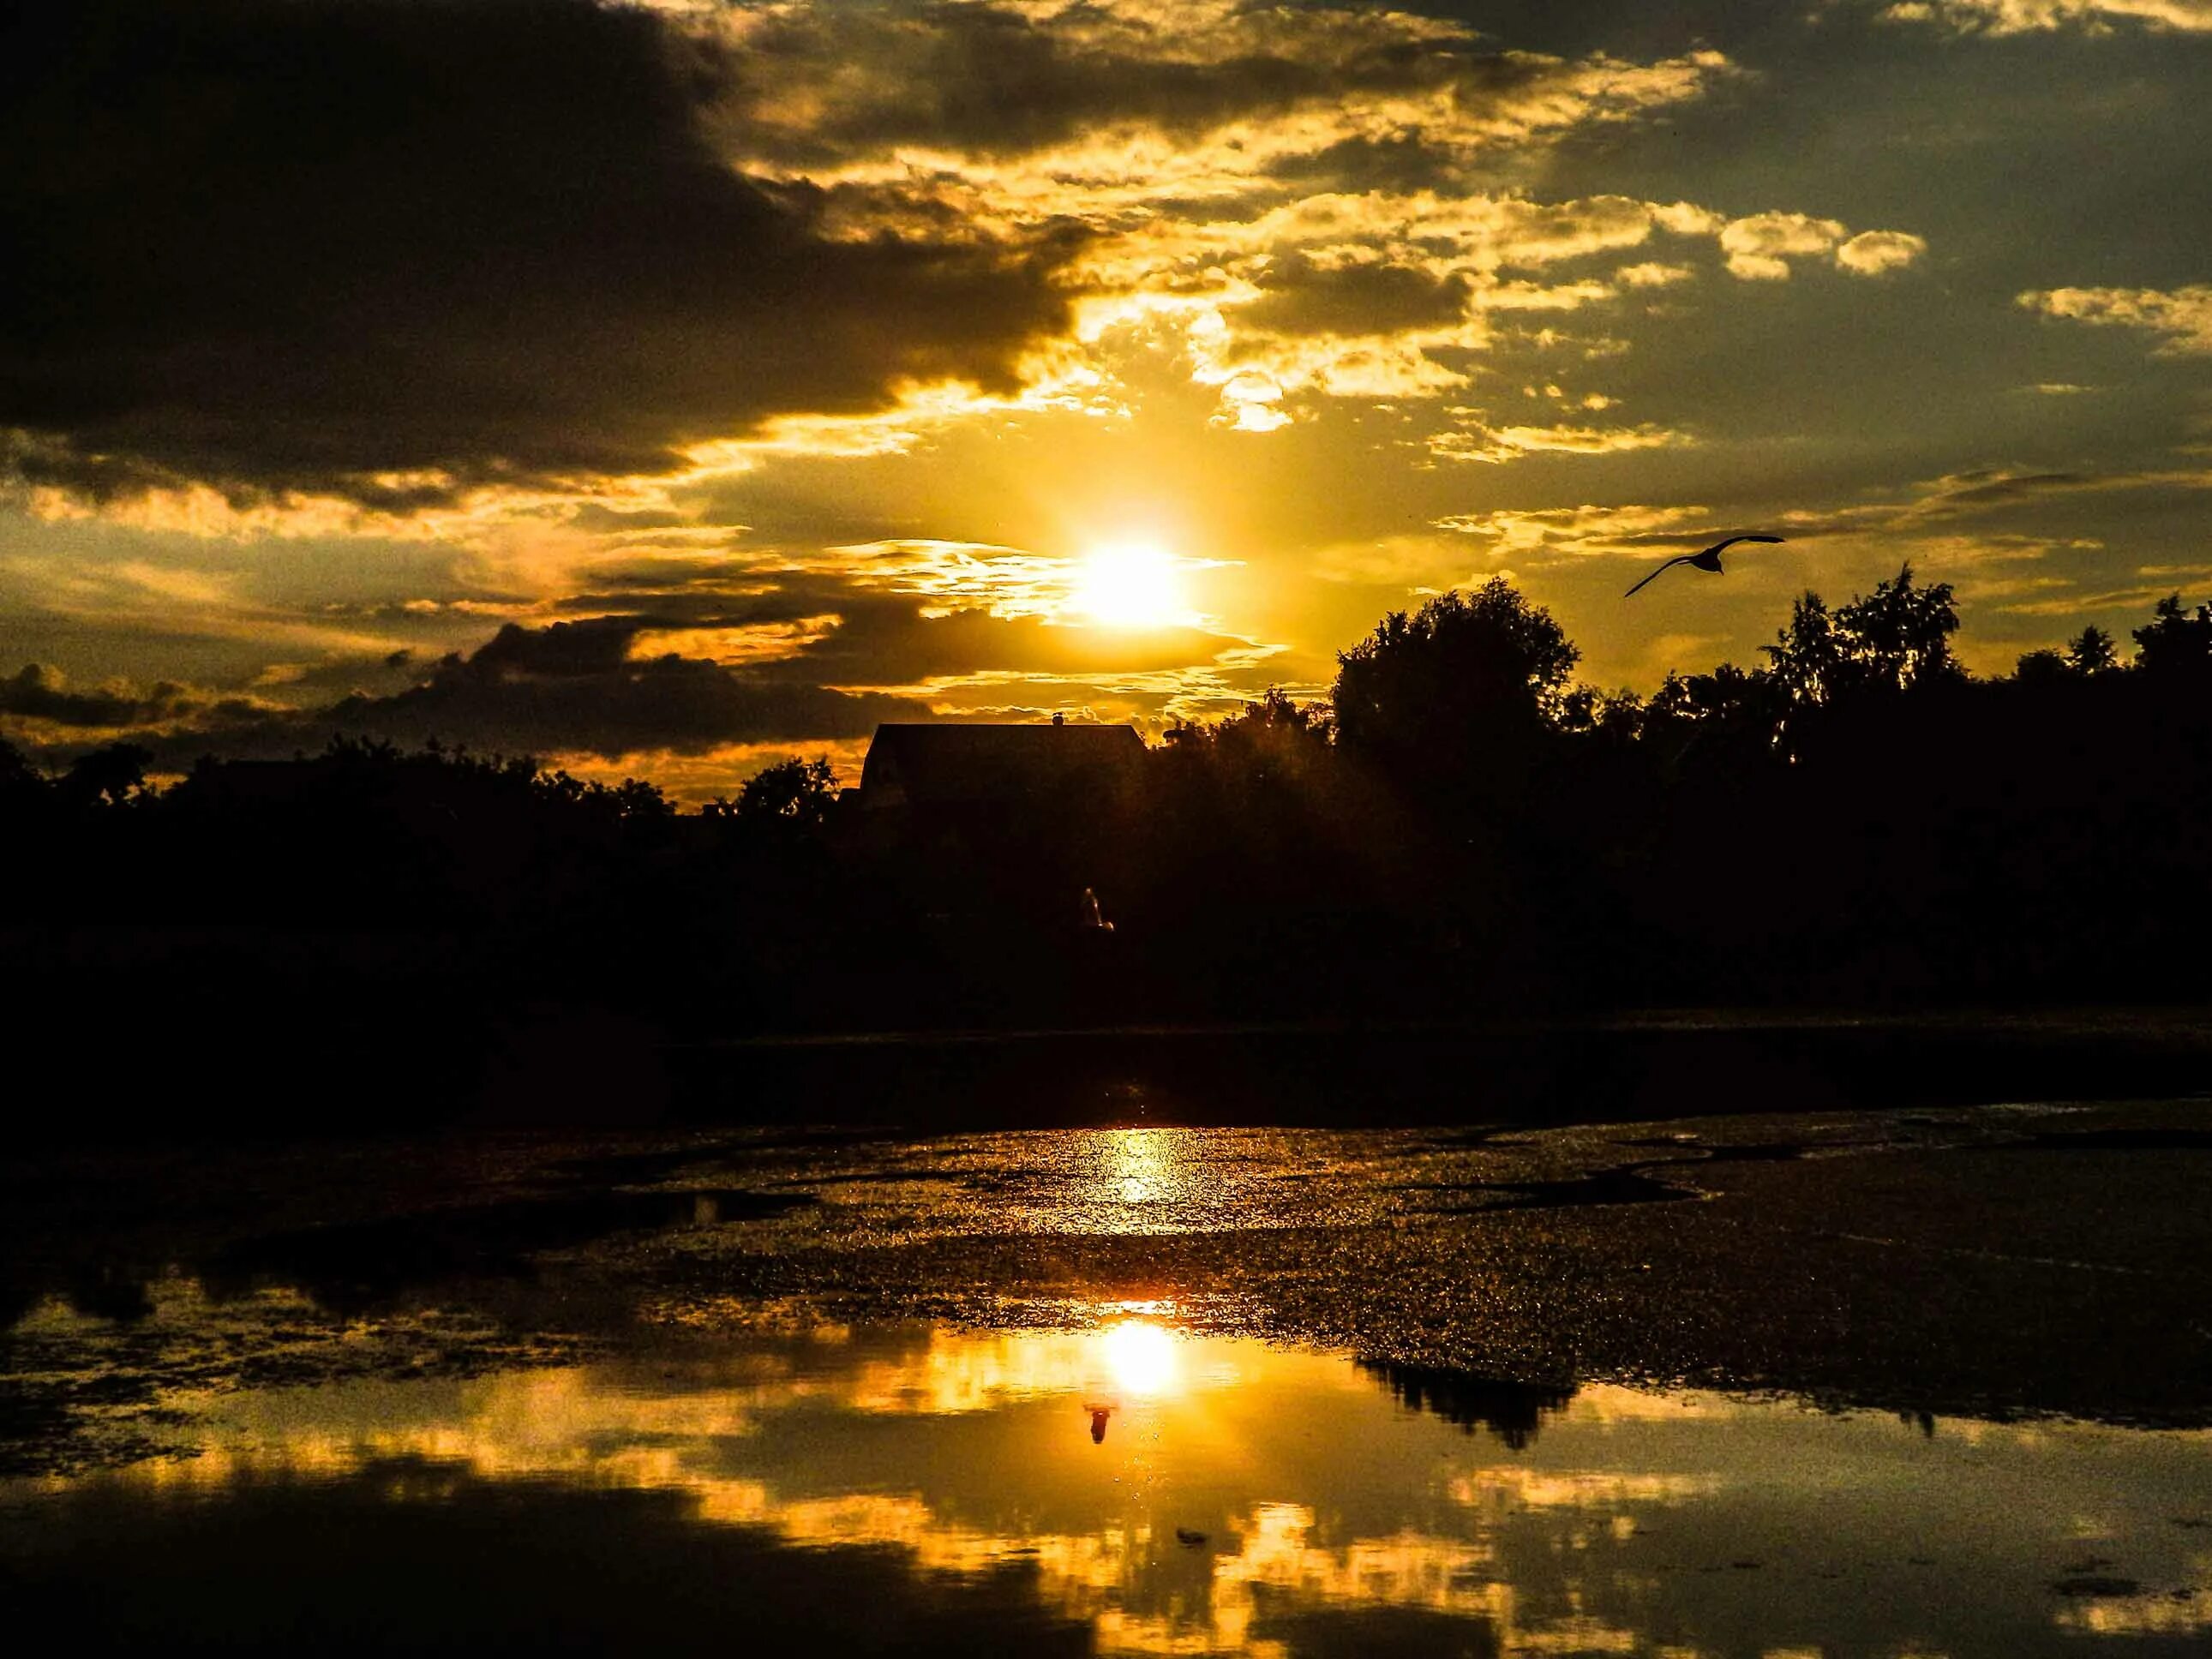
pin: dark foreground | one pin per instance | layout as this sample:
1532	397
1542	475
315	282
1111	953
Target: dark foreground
1927	1379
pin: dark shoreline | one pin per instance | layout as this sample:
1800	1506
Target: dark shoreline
1523	1071
354	1069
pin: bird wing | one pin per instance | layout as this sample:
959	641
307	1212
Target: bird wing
1733	540
1680	558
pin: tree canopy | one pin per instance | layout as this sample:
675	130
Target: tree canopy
1467	680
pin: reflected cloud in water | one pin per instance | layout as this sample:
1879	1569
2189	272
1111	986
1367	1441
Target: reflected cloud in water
1127	1488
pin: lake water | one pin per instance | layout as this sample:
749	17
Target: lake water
1130	1487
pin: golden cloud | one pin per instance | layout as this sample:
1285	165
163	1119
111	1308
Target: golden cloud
1507	443
1651	275
748	642
1871	253
1585	530
1756	246
2023	16
2182	317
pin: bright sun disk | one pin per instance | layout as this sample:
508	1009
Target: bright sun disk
1131	585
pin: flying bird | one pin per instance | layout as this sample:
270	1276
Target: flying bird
1708	560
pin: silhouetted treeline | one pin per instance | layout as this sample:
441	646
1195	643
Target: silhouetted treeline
1459	832
1854	822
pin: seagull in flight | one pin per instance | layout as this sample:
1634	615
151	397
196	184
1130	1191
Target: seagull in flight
1708	560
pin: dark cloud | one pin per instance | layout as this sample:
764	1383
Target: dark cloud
1991	488
576	686
890	642
1306	298
992	80
568	687
42	695
275	245
1363	163
596	647
601	685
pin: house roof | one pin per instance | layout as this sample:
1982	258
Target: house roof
948	765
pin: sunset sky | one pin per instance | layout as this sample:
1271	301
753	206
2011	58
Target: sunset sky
667	388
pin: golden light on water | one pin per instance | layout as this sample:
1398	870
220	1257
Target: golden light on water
1141	1359
1140	1165
1211	1491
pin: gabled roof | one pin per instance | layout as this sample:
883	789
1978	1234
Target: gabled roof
950	765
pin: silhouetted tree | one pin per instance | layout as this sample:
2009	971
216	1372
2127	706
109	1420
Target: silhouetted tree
1728	695
1452	700
2091	652
17	776
1276	713
2045	667
1274	737
634	798
2177	642
112	774
1808	653
794	792
1897	638
1618	716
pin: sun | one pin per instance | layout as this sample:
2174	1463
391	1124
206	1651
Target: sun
1131	585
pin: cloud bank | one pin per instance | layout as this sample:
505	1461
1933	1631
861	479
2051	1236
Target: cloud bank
387	250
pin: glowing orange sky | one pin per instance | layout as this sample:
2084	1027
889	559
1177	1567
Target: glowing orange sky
929	308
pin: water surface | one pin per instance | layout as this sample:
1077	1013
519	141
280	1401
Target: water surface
1131	1487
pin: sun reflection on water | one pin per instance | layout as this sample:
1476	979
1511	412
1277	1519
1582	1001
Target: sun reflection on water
1243	1488
1140	1163
1141	1359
